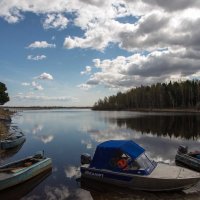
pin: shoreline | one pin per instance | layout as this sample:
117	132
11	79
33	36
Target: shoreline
16	108
166	110
8	113
169	110
5	122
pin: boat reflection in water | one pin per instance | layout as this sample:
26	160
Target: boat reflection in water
5	154
21	190
99	191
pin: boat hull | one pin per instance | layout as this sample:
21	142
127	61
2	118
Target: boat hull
9	144
137	182
188	161
26	174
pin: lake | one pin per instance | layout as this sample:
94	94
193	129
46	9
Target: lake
65	134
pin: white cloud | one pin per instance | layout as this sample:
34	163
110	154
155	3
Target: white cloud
88	70
71	171
84	86
53	193
56	21
45	76
127	72
41	44
36	86
152	26
45	138
37	128
38	57
45	98
25	84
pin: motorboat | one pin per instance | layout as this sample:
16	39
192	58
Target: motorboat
125	163
18	172
187	159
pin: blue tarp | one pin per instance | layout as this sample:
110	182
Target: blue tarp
108	150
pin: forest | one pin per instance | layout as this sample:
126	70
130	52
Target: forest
172	95
3	94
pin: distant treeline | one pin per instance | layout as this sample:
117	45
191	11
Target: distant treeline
172	95
43	107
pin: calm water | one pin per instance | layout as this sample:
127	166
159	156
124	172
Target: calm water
65	134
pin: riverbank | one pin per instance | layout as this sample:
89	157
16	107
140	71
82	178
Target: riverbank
172	110
5	121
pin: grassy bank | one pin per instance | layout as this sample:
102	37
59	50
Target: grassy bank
5	119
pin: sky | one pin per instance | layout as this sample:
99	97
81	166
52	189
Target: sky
73	52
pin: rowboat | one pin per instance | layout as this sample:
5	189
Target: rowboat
12	141
124	163
188	159
19	191
22	170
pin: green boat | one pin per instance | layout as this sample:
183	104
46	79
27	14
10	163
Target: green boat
20	171
12	141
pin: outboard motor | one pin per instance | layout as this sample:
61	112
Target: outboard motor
182	149
85	158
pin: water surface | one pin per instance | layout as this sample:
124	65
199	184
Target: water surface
65	134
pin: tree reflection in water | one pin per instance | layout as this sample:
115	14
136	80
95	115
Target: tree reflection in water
173	125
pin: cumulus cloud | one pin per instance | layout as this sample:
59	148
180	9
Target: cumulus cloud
41	44
45	76
36	58
36	86
127	72
173	6
88	70
163	37
55	21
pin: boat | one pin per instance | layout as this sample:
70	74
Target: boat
22	170
19	191
187	159
124	163
12	141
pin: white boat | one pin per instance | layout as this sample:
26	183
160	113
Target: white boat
124	163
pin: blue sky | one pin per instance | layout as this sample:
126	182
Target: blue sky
71	53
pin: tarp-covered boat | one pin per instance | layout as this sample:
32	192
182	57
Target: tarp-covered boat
124	163
20	171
